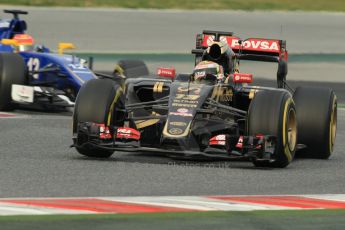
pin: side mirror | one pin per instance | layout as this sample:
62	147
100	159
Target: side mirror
64	46
166	72
9	42
242	78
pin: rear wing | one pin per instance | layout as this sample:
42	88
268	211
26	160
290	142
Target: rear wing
254	49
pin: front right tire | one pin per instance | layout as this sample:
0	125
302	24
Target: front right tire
272	112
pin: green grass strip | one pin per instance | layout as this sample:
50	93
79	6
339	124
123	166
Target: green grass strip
300	219
309	5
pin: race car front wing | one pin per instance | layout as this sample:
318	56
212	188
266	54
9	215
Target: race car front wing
40	95
98	136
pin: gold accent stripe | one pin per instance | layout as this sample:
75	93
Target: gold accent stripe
216	93
155	87
143	124
226	80
160	87
253	91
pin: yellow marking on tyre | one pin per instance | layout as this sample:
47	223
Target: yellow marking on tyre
118	69
333	125
292	130
252	93
287	153
116	98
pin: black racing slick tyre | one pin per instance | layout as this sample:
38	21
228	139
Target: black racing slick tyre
12	71
99	101
316	109
272	112
131	68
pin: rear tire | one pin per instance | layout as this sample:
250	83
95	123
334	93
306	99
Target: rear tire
131	68
12	71
98	101
272	112
317	118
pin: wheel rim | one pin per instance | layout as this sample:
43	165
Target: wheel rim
292	130
333	125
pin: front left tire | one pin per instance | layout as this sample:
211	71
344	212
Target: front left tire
98	101
12	71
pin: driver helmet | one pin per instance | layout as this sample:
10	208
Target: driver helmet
208	70
25	42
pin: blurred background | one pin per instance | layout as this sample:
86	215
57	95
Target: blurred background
163	32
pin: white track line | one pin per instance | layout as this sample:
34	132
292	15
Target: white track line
197	203
30	206
9	209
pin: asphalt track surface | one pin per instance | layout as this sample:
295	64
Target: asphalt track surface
35	158
36	161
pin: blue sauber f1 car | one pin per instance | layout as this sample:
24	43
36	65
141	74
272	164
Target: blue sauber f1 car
31	74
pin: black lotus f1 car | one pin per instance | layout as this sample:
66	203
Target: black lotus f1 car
211	118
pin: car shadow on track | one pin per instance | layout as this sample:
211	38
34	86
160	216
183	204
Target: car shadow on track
41	111
161	159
